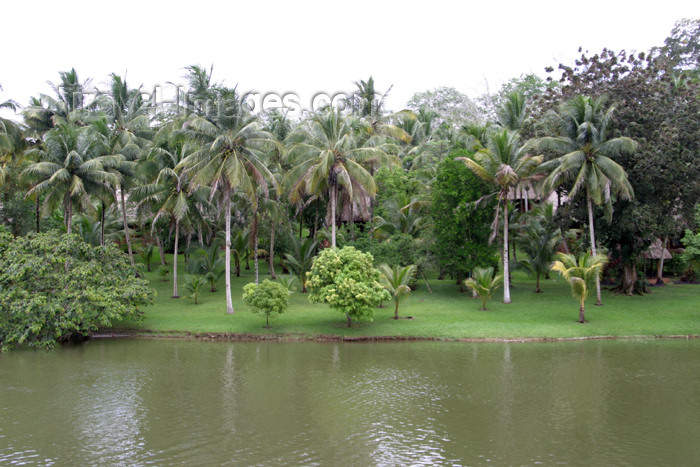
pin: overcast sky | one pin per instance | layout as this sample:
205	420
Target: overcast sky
307	47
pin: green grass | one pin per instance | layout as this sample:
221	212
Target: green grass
673	310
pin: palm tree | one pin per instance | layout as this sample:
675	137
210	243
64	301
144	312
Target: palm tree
328	156
504	163
484	284
404	215
300	257
395	280
168	191
125	136
69	168
581	274
538	239
229	158
207	263
582	126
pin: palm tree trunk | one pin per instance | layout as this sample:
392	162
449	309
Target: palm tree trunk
161	251
126	227
69	215
334	195
599	301
177	238
227	273
506	265
582	312
272	252
255	254
38	217
102	225
396	310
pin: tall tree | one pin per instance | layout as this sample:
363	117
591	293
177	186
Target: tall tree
230	158
70	166
329	155
505	164
582	126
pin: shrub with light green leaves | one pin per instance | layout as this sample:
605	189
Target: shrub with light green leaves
268	297
346	280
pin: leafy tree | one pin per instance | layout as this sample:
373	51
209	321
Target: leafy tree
691	241
461	230
656	93
581	274
583	125
505	164
54	288
451	106
346	280
268	297
396	281
484	284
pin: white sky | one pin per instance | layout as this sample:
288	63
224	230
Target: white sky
307	47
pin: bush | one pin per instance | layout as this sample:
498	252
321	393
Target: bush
55	288
268	297
346	279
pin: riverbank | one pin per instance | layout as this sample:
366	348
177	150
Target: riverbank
444	314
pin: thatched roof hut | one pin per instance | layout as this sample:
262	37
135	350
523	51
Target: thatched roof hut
657	251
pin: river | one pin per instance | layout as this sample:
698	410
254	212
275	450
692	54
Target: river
167	401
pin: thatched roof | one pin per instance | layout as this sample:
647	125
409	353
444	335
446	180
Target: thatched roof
656	250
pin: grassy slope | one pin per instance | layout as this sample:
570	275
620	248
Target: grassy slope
446	313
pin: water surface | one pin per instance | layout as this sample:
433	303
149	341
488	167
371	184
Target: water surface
165	402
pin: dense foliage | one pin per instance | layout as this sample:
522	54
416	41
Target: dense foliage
267	298
461	227
54	288
346	280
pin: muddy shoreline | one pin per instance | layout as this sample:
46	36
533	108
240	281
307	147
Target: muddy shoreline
249	337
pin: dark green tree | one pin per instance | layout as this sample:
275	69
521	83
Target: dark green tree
461	229
55	288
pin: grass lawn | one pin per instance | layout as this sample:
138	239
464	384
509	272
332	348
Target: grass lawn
673	310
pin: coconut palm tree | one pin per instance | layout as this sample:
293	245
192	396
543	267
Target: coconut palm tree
229	158
505	164
168	191
328	155
582	126
581	275
125	135
70	167
395	280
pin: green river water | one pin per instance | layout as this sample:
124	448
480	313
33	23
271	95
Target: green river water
177	402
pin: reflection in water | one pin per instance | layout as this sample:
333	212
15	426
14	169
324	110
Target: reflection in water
108	415
175	402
